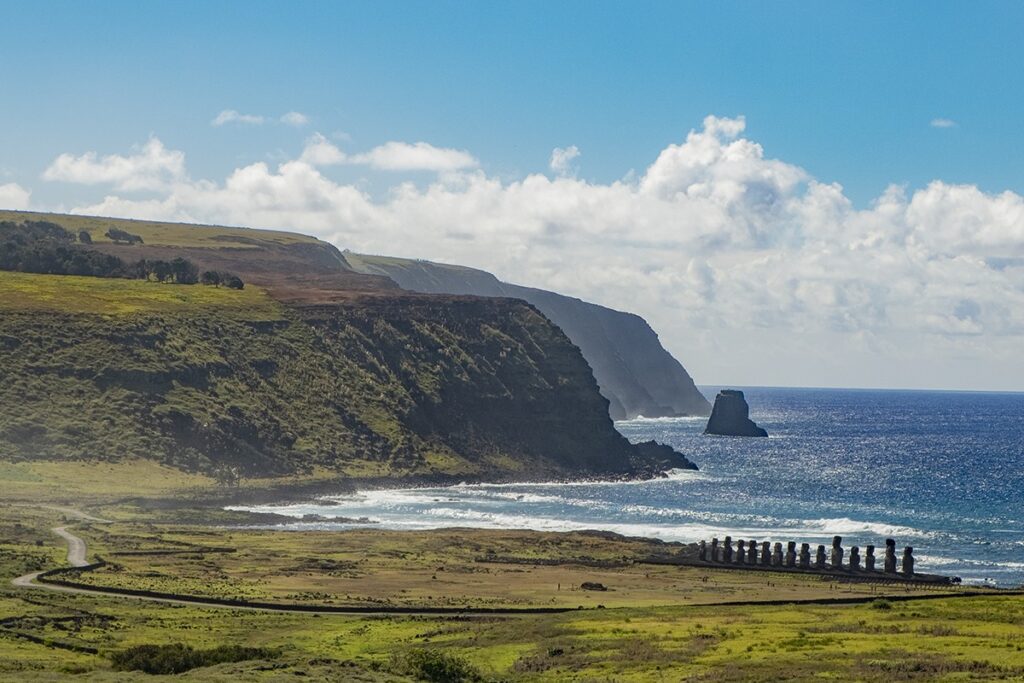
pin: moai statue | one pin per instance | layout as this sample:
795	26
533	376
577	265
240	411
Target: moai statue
741	552
869	558
702	551
890	556
714	550
766	554
805	556
777	555
908	561
854	559
837	552
727	550
791	554
819	558
751	552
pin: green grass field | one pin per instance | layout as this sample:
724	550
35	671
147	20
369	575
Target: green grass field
945	639
116	296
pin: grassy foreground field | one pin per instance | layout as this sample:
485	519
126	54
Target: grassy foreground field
658	622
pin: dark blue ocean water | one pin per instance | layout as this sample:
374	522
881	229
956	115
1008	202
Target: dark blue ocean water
941	471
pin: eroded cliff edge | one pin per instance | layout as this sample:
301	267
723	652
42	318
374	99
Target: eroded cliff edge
633	370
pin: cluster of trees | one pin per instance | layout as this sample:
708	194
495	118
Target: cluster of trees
122	237
176	658
43	247
218	278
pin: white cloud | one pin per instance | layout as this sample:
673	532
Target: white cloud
14	196
151	167
943	123
562	158
294	118
231	116
418	156
320	151
750	269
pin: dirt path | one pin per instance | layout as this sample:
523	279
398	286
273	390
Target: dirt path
76	557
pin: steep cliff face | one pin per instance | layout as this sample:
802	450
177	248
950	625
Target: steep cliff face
634	371
378	385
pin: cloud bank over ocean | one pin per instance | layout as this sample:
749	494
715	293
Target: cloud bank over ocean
751	269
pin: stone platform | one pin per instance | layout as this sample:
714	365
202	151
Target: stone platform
754	555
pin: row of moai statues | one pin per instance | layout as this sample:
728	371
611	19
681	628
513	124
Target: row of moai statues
748	553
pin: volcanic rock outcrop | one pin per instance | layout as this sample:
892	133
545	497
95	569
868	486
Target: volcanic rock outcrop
731	416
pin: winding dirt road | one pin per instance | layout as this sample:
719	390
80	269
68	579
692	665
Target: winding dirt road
76	558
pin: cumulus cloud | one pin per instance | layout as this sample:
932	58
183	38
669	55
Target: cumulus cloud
231	116
294	118
151	167
417	156
749	268
943	123
320	151
562	158
14	196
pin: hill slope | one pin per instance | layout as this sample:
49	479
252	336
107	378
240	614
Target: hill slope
339	370
634	371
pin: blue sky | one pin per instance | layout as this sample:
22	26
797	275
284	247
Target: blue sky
816	194
845	90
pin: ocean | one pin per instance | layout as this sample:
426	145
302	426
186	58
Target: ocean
940	471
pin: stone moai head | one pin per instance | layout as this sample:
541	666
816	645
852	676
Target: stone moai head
702	550
890	556
908	560
766	553
869	557
837	541
805	555
819	558
854	557
751	552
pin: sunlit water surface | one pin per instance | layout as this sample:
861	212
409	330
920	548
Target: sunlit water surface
942	471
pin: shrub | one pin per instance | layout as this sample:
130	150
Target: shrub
881	603
439	667
123	236
177	658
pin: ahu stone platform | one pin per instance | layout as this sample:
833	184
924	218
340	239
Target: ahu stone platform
834	561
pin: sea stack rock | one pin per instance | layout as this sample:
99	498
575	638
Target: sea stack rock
731	416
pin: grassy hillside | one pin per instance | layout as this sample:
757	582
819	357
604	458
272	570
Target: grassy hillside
157	233
197	377
291	267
